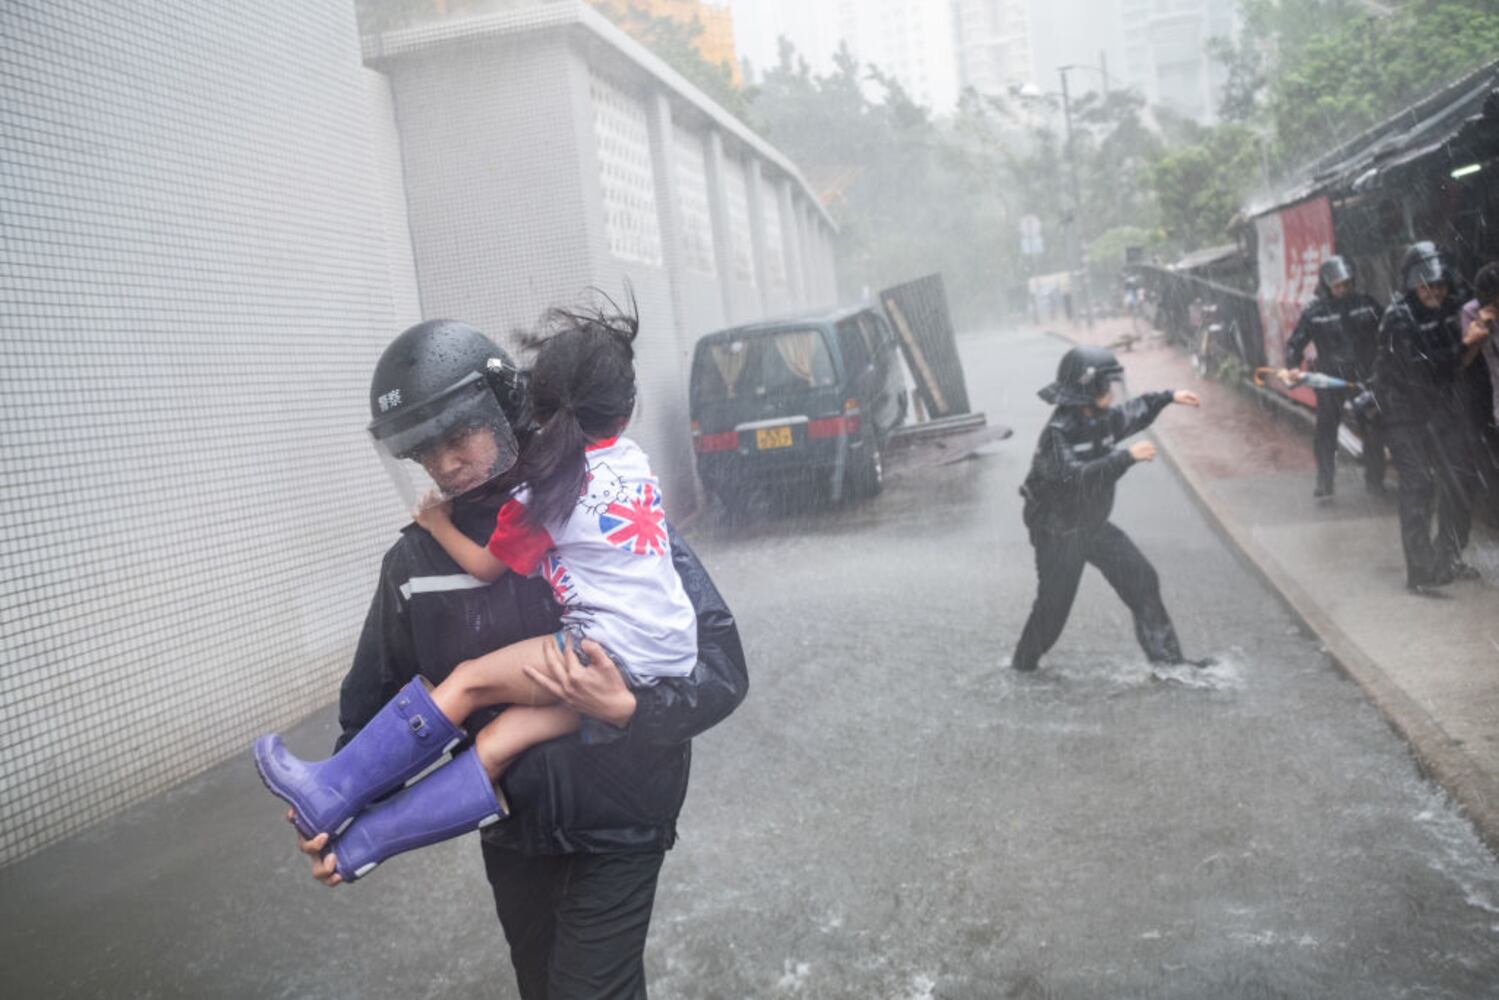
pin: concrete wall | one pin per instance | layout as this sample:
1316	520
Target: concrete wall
202	256
547	154
215	218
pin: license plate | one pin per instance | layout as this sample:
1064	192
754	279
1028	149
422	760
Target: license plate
772	437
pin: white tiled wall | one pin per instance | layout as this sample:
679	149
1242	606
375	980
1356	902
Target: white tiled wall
200	261
212	220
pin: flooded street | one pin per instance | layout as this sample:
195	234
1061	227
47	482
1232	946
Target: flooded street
356	355
892	813
895	813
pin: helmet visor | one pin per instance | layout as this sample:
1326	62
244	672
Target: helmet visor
1428	270
446	446
1336	270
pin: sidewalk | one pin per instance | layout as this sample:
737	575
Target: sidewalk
1431	666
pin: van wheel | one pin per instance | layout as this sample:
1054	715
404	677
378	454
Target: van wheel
867	478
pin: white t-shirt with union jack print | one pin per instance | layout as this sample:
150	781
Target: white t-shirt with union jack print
609	564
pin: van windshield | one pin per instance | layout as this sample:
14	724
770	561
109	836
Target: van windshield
761	364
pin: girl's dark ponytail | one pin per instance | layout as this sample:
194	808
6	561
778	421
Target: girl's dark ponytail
582	389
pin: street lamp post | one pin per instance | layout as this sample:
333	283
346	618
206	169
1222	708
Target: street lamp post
1079	246
1078	249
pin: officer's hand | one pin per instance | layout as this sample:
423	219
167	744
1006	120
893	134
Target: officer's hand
597	690
323	865
1186	398
1142	451
1477	332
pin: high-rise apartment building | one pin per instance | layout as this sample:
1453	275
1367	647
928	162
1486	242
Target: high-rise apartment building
1156	47
994	44
1165	52
915	41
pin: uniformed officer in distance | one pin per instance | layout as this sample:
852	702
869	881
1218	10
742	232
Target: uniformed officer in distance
1418	383
1342	323
1069	494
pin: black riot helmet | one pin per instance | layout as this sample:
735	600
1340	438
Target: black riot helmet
1333	270
439	383
1083	375
1424	264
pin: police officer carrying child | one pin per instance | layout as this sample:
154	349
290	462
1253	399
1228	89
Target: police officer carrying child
1343	324
574	869
1419	387
1069	494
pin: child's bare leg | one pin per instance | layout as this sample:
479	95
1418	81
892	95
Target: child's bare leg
494	679
519	728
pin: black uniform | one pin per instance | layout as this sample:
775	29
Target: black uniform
574	867
1345	332
1068	496
1419	388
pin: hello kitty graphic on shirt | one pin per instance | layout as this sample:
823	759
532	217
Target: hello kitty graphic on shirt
602	488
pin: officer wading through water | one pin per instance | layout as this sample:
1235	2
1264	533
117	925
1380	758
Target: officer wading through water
1343	325
1069	494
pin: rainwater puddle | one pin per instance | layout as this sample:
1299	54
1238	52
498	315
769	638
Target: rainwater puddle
1111	676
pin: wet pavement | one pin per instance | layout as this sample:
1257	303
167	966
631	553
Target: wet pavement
1431	664
892	813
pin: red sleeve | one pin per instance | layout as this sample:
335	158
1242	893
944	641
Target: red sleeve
516	542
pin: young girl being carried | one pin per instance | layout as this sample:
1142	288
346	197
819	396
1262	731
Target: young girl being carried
589	518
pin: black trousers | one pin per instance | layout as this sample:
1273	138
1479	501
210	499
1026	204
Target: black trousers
1059	564
1434	460
576	923
1325	442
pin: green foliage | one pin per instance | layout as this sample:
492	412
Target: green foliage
1346	79
1200	186
1313	73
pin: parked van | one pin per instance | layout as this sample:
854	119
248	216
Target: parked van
805	398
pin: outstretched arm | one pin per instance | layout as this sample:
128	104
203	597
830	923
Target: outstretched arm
1134	415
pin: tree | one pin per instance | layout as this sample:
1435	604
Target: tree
1314	73
1201	186
676	43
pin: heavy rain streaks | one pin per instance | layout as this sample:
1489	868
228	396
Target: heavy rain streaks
801	267
900	809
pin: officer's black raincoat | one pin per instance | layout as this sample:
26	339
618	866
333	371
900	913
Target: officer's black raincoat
1069	494
1070	486
566	796
1418	382
1345	332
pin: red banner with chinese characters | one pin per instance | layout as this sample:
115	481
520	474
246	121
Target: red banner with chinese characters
1293	243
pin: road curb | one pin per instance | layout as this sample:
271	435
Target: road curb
1437	755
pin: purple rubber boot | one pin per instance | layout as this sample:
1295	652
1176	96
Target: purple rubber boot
449	802
404	738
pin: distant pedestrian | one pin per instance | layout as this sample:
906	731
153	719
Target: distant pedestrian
1343	325
1417	383
1069	494
1480	321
